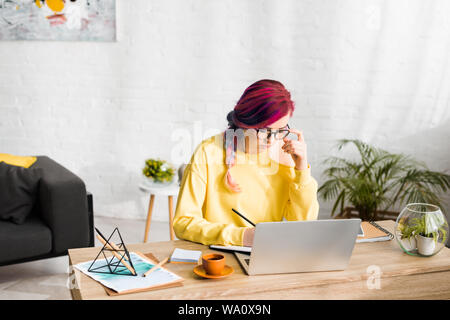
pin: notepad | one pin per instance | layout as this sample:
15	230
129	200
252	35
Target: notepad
185	256
373	232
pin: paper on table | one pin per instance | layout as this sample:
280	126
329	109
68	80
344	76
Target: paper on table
182	255
121	283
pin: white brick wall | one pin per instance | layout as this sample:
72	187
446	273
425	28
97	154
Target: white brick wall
375	70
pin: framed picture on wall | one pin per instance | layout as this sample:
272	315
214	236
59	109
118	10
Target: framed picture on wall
60	20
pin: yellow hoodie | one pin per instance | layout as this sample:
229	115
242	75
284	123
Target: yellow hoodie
270	192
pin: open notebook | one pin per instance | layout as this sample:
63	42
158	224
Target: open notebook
231	248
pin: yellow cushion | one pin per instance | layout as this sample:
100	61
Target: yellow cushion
19	161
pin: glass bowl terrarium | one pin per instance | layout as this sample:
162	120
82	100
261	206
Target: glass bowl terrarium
421	229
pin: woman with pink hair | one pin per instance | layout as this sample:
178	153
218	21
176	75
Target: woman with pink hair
251	167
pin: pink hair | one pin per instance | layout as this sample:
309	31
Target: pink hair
261	104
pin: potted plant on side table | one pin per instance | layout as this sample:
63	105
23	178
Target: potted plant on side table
158	172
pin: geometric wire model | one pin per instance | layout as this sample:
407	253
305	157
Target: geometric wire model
113	265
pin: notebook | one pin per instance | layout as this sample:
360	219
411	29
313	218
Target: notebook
156	287
373	232
231	248
122	284
185	256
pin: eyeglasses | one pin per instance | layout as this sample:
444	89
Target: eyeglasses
267	133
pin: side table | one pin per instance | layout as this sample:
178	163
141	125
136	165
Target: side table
169	190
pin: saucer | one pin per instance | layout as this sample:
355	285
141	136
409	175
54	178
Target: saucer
200	271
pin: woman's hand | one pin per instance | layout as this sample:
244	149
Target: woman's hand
249	234
297	150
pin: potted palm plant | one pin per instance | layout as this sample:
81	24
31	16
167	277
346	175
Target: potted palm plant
378	180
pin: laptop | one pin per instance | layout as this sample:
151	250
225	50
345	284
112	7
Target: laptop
300	246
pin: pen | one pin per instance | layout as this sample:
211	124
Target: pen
156	266
240	215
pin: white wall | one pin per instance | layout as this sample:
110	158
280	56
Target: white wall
374	70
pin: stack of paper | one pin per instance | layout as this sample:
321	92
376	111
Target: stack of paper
185	256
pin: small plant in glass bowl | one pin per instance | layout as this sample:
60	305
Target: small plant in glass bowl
407	237
421	229
158	171
428	230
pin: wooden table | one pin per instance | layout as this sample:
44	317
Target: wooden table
402	276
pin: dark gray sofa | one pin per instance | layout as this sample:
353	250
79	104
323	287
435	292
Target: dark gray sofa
62	218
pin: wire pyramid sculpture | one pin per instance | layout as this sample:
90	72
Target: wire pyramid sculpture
114	264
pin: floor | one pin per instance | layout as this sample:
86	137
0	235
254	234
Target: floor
47	279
